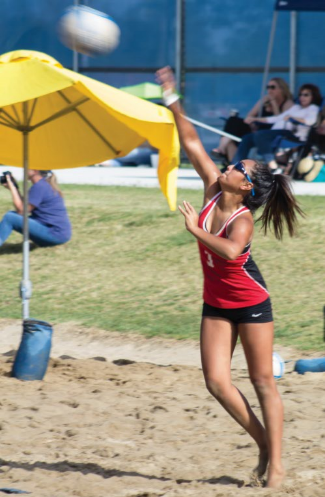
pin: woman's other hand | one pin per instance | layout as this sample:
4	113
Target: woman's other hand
191	216
267	99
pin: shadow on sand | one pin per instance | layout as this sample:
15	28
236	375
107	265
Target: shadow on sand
91	468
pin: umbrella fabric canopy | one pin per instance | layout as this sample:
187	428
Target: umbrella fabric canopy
147	91
74	121
53	118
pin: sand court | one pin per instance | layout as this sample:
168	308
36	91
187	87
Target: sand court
136	428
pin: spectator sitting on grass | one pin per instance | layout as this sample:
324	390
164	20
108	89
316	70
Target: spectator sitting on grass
48	222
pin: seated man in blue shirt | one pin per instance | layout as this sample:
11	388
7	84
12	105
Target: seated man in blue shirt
48	222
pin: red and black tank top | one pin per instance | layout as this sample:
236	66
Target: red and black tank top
229	284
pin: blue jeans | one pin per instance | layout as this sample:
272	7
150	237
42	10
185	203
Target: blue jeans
263	140
38	233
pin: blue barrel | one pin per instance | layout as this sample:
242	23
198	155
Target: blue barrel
33	355
310	365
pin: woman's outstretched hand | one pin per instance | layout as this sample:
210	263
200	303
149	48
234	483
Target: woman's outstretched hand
191	216
165	78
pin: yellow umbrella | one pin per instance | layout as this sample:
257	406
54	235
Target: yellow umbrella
69	120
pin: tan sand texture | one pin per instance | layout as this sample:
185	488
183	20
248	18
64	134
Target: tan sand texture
94	428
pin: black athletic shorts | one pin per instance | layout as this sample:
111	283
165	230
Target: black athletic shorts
260	313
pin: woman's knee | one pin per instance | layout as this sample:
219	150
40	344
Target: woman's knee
263	383
10	218
217	386
8	215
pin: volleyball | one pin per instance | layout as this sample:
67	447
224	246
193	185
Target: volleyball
278	366
88	31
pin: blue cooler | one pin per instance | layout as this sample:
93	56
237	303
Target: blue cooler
33	355
310	365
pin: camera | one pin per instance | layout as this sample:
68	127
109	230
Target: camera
3	179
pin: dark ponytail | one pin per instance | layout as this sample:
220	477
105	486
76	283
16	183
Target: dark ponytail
274	192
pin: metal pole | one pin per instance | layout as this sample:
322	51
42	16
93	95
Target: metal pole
213	130
179	39
293	51
25	286
75	60
268	58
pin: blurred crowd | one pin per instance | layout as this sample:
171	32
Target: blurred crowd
285	132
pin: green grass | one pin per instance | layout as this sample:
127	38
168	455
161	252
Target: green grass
132	267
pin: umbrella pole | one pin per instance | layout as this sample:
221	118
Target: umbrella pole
25	286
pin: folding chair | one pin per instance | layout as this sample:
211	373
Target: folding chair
286	144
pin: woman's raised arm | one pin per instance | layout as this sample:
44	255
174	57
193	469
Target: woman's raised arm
190	141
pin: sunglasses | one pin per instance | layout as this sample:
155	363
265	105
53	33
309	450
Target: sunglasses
304	95
240	167
271	87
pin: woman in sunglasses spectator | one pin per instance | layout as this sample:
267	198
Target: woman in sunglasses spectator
293	124
277	100
236	300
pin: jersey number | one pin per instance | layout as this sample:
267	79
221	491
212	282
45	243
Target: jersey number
209	259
